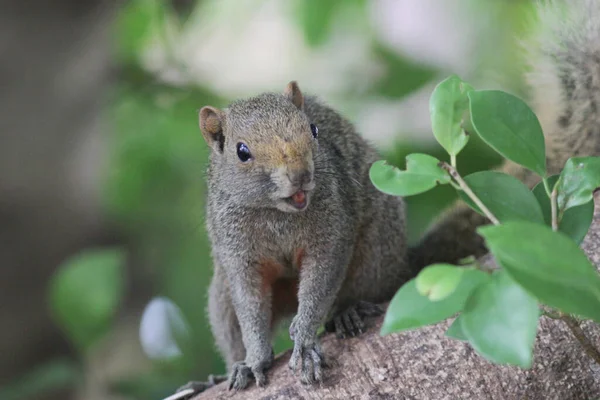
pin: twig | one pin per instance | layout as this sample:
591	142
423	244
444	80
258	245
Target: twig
551	314
553	208
487	263
571	322
465	188
576	330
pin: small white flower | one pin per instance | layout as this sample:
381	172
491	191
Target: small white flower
161	326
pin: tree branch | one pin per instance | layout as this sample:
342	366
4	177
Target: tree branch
553	197
587	345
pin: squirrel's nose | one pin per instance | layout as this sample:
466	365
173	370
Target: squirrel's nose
300	178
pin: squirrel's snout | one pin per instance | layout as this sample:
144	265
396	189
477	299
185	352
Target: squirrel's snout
300	178
291	180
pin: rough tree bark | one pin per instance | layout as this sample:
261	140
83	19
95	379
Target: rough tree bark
423	364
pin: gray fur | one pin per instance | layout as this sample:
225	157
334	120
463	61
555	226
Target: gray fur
565	78
353	236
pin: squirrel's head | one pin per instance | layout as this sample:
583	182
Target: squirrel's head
262	150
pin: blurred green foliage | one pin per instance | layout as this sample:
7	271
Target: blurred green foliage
156	187
402	76
53	375
156	191
85	312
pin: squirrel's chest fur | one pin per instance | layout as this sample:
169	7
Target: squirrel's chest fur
275	247
279	261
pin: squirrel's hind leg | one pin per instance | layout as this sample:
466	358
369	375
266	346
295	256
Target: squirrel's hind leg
350	321
223	320
378	267
226	331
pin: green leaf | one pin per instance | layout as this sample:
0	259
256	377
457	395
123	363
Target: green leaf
578	180
401	75
505	196
447	106
509	126
316	18
135	24
500	321
575	222
409	309
438	281
422	174
85	293
455	330
547	264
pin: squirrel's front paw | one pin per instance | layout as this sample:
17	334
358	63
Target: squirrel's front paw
350	322
242	374
311	361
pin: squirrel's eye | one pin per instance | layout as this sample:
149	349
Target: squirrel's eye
314	130
243	152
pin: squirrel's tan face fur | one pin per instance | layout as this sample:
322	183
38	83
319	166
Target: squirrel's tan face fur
262	169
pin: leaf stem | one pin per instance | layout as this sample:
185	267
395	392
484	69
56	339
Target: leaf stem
465	188
455	186
553	209
579	334
547	187
453	160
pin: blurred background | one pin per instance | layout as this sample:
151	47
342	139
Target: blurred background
104	260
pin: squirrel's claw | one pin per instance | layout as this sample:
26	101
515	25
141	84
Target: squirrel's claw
311	360
242	374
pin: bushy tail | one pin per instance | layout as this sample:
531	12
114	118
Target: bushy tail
564	78
563	56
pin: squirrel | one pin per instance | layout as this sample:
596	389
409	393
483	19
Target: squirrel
297	228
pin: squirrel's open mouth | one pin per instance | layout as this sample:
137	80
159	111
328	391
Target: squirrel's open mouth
298	200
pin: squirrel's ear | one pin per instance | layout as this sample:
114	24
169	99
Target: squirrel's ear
211	125
292	91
